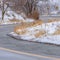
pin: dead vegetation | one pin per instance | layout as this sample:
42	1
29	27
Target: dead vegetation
22	32
40	33
24	25
34	15
54	20
57	32
16	20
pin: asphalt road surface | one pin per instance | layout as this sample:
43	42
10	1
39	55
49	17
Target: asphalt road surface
32	48
46	18
5	55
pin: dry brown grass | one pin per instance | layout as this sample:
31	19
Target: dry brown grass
19	28
54	20
25	25
40	33
57	32
37	22
21	32
34	15
15	20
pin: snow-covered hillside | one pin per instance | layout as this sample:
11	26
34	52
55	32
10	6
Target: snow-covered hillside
13	17
10	15
46	7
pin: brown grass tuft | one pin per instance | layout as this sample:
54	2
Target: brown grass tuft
53	20
40	33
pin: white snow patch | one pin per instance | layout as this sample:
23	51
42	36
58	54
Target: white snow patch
50	28
9	15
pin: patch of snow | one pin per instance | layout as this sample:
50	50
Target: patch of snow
54	12
50	28
27	37
49	39
12	15
9	15
29	20
45	39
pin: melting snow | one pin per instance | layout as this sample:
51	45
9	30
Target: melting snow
48	37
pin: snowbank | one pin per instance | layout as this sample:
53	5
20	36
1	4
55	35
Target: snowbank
40	33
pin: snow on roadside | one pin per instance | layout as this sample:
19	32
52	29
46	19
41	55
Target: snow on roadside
40	33
53	39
